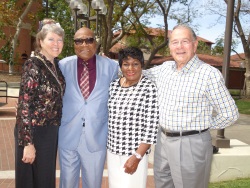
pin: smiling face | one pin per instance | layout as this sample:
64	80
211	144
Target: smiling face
131	69
85	51
182	46
51	46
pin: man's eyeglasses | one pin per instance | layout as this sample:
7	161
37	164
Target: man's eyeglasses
182	42
87	41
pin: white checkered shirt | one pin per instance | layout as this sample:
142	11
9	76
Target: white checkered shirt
188	97
133	116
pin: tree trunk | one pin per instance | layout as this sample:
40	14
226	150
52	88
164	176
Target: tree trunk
245	38
247	77
14	40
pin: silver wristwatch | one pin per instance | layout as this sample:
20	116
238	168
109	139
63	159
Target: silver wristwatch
137	155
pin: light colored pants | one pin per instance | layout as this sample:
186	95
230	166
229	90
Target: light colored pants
117	176
90	164
184	161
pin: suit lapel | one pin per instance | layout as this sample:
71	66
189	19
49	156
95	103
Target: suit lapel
75	76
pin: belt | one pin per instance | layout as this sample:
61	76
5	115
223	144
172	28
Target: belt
186	133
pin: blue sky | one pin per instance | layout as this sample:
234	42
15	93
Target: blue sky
213	32
207	29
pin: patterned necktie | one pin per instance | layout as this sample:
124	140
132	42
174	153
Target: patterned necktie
84	81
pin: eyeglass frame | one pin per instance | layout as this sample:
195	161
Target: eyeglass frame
184	42
87	41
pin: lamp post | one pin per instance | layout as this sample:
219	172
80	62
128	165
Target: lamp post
82	14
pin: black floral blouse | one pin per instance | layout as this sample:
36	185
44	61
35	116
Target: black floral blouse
40	98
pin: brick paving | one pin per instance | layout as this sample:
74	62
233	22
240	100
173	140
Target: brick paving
5	76
7	147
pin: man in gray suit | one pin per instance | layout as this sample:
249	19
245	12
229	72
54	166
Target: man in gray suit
83	130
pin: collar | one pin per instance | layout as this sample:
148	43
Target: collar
88	62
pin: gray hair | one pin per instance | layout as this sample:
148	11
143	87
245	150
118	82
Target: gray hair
183	26
49	27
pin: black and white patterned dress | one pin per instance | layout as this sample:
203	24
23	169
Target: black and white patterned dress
133	116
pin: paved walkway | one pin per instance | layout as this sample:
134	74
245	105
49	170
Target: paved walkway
7	147
240	131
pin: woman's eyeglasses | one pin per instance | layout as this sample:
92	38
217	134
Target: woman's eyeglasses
87	41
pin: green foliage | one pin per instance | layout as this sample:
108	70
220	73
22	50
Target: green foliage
234	92
10	12
239	183
244	108
139	40
203	48
5	50
60	11
218	49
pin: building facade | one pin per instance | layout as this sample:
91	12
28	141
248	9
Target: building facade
26	39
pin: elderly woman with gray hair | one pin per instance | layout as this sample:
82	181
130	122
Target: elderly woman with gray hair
39	111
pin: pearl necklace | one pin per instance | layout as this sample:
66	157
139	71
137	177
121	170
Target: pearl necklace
123	103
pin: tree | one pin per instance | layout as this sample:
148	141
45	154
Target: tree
125	15
244	35
60	11
241	30
15	38
13	14
203	48
134	15
218	49
8	12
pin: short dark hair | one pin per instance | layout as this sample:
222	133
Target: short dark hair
133	52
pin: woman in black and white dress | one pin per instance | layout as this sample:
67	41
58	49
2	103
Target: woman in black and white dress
133	122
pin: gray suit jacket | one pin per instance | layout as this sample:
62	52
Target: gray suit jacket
93	111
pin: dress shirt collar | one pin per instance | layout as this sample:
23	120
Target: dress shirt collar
89	62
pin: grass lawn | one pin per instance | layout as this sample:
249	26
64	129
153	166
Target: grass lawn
239	183
243	106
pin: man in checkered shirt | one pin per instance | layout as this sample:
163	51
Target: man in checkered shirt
189	90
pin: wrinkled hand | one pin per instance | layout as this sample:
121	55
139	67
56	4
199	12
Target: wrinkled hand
131	165
29	154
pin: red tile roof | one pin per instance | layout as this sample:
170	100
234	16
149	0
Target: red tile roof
117	47
237	58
